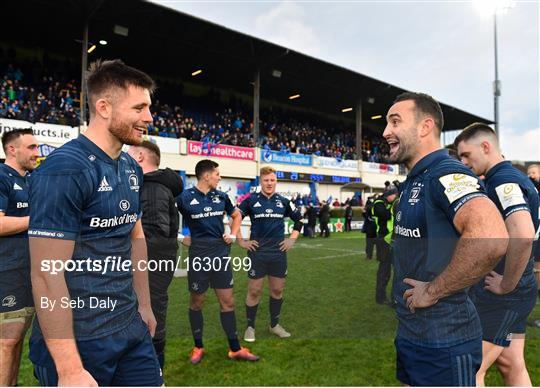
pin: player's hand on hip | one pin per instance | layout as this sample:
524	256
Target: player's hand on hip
287	244
79	378
229	238
250	245
417	296
147	316
495	284
186	241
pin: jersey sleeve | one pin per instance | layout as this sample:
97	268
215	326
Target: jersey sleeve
292	212
454	188
509	198
57	203
5	188
180	203
244	207
229	207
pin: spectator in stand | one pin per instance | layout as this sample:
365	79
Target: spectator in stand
40	92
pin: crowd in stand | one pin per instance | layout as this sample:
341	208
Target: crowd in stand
41	92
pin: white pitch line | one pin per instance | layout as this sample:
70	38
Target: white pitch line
333	256
327	249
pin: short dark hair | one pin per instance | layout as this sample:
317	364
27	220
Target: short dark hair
205	165
154	149
9	136
426	105
473	130
104	75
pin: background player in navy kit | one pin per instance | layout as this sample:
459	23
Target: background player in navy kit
203	208
84	206
506	297
447	235
267	249
16	304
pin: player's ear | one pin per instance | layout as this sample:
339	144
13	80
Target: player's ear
428	127
486	146
103	108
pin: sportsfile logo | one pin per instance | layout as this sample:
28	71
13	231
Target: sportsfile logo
97	222
407	232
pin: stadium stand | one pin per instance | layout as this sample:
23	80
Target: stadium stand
41	92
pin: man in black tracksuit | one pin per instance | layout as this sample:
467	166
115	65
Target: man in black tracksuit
383	214
311	215
369	228
160	223
324	219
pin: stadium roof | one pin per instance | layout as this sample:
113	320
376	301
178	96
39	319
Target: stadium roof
172	44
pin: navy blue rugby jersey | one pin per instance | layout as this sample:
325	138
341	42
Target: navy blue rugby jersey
513	191
14	251
79	193
203	214
267	217
424	242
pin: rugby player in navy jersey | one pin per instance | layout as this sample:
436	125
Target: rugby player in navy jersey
87	245
209	262
506	297
447	236
16	304
267	249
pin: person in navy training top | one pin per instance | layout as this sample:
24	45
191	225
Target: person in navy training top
16	304
209	263
507	295
267	248
95	321
447	236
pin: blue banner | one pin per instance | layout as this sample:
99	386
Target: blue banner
269	156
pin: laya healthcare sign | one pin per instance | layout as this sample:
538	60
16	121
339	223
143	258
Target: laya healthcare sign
220	151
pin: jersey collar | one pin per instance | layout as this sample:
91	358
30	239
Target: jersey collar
496	168
426	161
211	191
94	149
13	171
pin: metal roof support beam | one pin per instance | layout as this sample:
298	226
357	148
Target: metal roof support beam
358	111
256	102
84	62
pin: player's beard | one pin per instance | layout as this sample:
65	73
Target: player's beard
29	164
408	145
124	132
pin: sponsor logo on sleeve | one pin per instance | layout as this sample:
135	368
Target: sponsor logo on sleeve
457	186
510	194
